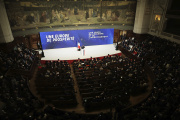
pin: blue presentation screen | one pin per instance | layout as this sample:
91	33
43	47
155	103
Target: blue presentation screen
70	38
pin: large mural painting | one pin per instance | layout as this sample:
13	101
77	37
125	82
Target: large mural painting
37	13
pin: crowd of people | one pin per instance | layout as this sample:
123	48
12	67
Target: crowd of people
16	98
163	103
17	101
133	46
111	78
111	81
20	57
55	84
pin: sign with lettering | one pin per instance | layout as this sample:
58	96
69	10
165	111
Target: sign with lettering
70	38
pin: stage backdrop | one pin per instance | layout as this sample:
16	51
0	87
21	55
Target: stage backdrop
63	39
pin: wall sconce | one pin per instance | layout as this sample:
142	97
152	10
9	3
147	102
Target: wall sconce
157	17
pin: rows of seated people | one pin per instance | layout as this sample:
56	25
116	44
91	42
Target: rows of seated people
134	46
52	113
104	83
20	57
15	97
55	84
17	102
163	104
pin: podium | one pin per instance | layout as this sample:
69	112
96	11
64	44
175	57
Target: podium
83	50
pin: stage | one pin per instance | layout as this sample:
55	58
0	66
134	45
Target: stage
73	54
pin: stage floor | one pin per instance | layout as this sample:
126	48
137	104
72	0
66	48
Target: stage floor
73	54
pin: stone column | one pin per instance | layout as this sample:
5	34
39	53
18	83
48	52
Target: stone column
5	30
143	15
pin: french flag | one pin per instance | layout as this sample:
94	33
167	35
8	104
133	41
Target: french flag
78	44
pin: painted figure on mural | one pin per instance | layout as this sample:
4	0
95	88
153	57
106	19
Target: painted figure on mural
75	10
87	14
43	16
30	18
